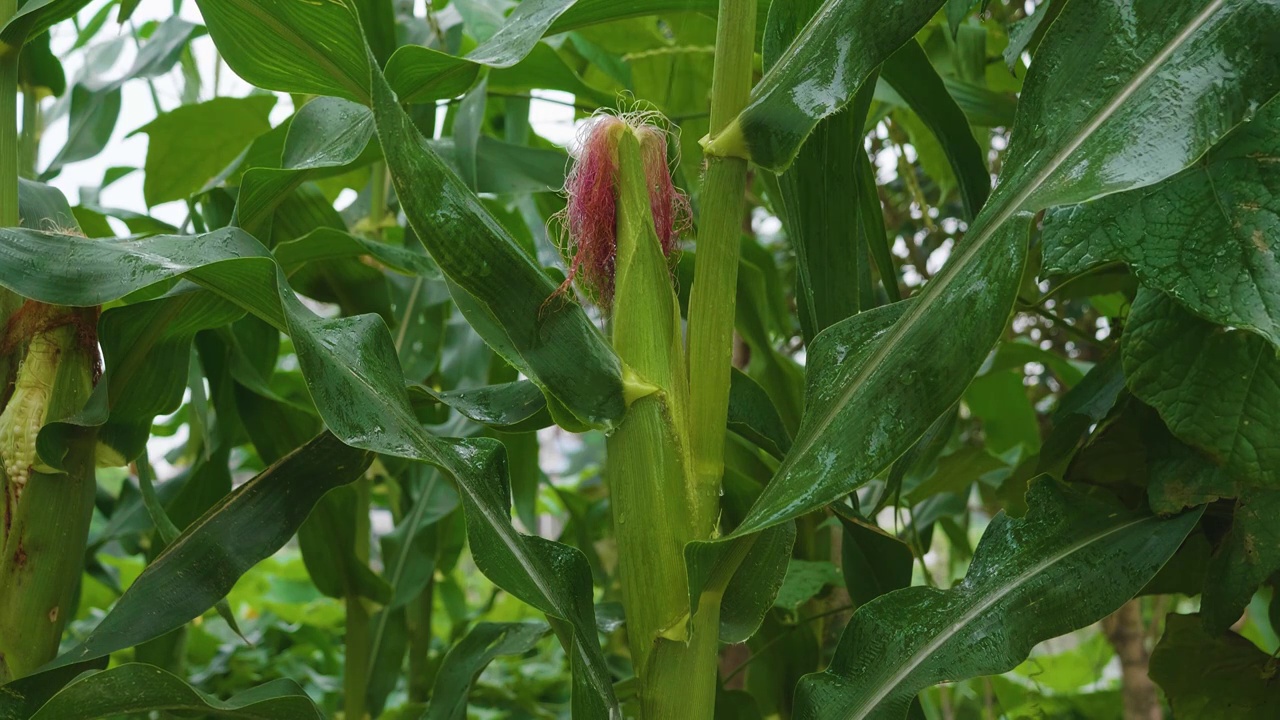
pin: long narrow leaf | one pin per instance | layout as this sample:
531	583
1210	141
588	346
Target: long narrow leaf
1070	562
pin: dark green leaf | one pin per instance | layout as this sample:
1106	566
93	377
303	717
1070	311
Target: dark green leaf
1070	562
328	543
1213	677
1248	556
820	72
753	416
247	526
553	341
874	562
137	688
465	661
910	73
1203	236
1215	388
827	231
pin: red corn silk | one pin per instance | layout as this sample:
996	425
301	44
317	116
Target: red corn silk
590	219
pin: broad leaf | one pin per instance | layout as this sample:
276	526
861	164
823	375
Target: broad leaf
190	145
1248	556
298	47
138	688
1213	677
1055	157
1204	236
1215	388
1070	562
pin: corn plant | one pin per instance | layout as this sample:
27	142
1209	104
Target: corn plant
885	341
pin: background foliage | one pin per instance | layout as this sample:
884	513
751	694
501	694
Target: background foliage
1013	450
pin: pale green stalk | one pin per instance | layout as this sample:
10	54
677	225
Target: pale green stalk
47	513
711	300
8	124
31	131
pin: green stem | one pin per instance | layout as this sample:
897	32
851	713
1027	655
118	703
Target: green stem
46	514
358	636
8	124
419	611
377	198
711	302
31	131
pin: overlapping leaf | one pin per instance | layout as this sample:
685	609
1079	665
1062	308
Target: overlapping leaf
819	74
547	337
354	377
1071	561
138	688
1216	389
1213	677
921	363
1204	236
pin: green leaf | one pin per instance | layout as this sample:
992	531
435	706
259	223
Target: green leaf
550	339
326	137
753	415
1162	95
828	232
245	527
291	46
1203	236
910	73
1248	556
819	74
1215	388
856	370
36	16
353	376
803	581
512	407
1210	676
189	146
466	660
1026	34
1055	157
873	561
1070	562
328	543
138	688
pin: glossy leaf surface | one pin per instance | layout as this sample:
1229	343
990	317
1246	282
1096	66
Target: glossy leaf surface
1071	561
138	688
1214	388
1204	236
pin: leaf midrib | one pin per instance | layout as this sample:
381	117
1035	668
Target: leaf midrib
1009	208
868	702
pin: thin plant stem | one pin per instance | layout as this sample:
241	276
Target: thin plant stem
31	131
712	297
358	646
8	123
